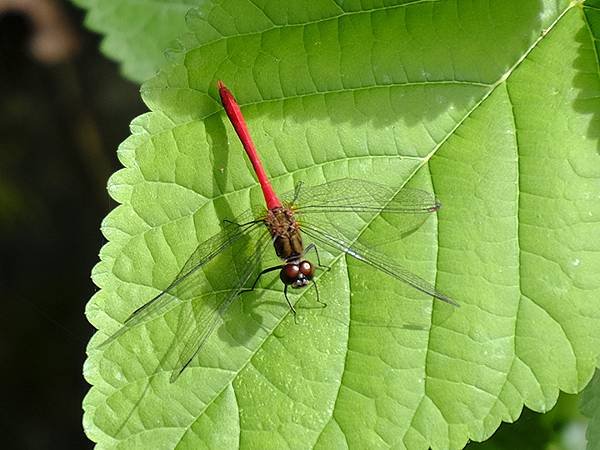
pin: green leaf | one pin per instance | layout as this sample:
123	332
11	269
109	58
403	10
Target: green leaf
491	105
137	32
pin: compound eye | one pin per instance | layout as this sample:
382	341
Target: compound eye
307	269
289	273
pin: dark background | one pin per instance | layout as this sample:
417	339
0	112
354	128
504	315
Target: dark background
60	125
61	120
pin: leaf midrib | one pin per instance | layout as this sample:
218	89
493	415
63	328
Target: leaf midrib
499	82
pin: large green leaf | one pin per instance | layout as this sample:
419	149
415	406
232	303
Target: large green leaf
137	32
492	105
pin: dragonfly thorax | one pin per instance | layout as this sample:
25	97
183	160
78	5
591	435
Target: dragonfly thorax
285	232
297	273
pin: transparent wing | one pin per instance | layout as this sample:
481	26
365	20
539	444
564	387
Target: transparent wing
352	195
213	246
199	318
182	285
375	259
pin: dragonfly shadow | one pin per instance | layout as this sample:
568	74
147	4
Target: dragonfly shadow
219	145
390	326
252	315
220	149
303	306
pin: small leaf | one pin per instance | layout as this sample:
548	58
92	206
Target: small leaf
490	105
137	32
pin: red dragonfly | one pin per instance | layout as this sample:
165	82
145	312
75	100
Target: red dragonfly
282	224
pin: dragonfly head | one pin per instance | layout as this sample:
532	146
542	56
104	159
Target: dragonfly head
297	274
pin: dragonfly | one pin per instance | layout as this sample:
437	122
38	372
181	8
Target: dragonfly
317	212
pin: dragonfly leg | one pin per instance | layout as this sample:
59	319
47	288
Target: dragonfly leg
241	225
267	270
318	296
312	246
285	290
297	189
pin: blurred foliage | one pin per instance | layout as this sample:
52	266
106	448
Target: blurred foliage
136	33
562	428
590	407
